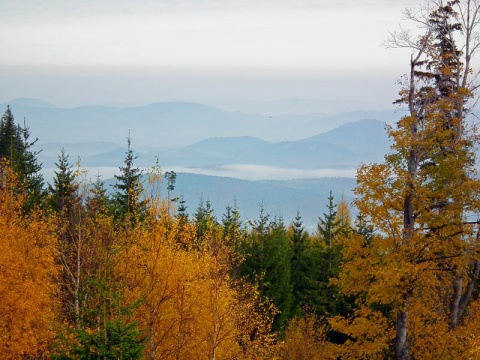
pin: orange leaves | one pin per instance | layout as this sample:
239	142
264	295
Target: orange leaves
359	259
379	197
369	332
189	308
418	201
305	338
28	288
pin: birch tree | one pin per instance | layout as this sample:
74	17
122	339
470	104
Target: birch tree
422	198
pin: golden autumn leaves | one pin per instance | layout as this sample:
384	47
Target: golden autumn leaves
181	297
28	273
85	283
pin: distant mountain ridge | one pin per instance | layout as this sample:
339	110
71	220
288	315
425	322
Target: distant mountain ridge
290	106
29	102
170	124
204	139
344	147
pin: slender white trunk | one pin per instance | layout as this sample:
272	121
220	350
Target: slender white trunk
402	351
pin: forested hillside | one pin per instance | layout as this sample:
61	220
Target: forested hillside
131	273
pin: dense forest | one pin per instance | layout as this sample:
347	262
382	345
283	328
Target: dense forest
126	273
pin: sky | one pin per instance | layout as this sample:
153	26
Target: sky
121	52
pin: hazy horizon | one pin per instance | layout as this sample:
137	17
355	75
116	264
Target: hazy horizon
126	53
229	54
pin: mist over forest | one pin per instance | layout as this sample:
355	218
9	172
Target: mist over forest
221	148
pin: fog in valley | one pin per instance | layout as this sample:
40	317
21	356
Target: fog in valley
252	91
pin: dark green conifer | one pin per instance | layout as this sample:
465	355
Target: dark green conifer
16	150
204	220
98	200
10	137
127	197
231	224
301	265
267	262
63	192
182	214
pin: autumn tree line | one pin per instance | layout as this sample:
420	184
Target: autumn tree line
127	273
90	274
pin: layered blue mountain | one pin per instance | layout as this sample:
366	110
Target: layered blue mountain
344	147
204	139
171	124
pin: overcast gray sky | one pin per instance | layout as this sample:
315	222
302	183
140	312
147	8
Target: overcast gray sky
122	52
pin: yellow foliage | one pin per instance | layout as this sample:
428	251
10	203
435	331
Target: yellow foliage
469	332
433	338
418	201
369	332
28	275
189	308
305	338
343	218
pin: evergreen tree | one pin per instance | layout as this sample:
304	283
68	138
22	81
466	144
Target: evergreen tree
10	137
279	280
182	214
171	178
328	225
330	256
16	148
29	169
231	225
185	232
204	220
103	328
364	228
64	199
63	195
128	189
300	265
316	261
267	263
98	200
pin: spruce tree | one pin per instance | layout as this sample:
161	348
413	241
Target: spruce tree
16	149
300	265
181	217
128	189
204	220
10	137
328	225
62	193
279	279
182	214
330	252
231	224
98	200
171	178
30	170
267	263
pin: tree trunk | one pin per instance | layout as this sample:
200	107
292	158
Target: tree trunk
460	299
152	334
402	352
